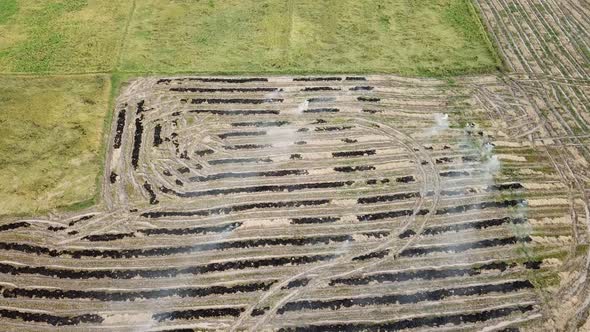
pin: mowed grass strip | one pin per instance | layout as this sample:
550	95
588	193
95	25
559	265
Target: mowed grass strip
408	37
50	147
61	36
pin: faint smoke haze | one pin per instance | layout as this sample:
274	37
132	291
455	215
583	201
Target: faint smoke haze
441	124
302	106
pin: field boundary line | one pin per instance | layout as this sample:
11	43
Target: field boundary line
488	36
54	74
124	37
290	11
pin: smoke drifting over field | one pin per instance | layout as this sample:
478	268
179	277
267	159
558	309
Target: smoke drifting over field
282	203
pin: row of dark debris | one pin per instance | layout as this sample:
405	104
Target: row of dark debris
235	101
213	80
243	175
238	161
328	78
255	79
377	181
162	273
314	220
349	169
290	187
321	110
368	99
302	282
482	224
333	128
482	206
112	296
51	319
198	313
241	134
354	153
119	130
321	88
362	88
113	177
236	208
259	89
377	234
411	252
391	214
13	226
387	198
167	251
432	274
413	323
260	124
207	90
204	152
158	135
487	243
321	99
237	112
191	230
258	189
151	193
80	219
372	255
433	295
137	142
247	146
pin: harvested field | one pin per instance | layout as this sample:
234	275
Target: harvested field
306	203
50	146
546	46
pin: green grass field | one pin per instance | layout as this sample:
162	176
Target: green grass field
94	40
61	36
409	37
51	141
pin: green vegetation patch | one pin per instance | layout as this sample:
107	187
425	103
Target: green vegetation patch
7	9
409	37
50	147
61	35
